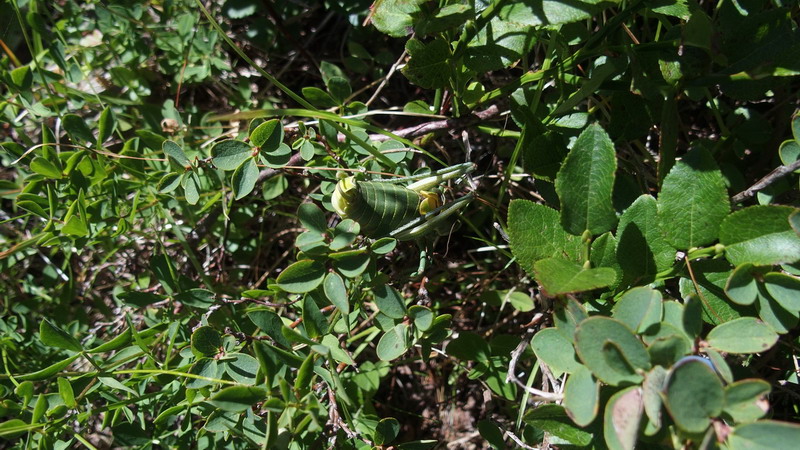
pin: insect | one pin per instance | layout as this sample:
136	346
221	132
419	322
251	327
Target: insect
386	208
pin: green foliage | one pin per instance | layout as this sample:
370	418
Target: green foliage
572	223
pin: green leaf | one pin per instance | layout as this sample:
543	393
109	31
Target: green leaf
469	346
492	434
421	316
140	299
785	289
75	226
393	343
175	152
554	349
693	201
558	276
774	314
745	400
275	186
191	188
764	434
395	17
535	233
318	97
389	301
334	288
339	88
642	251
693	395
621	419
53	336
230	154
585	182
500	43
206	341
760	235
383	246
312	218
77	129
204	367
386	431
13	428
581	396
197	298
66	392
50	370
268	136
744	335
44	167
106	125
741	286
237	398
603	343
554	420
344	234
302	276
270	323
711	276
244	178
652	387
350	263
304	376
639	308
169	182
314	321
429	66
241	367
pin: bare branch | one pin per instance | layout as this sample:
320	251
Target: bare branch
770	178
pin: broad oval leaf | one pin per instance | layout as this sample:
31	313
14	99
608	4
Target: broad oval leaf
760	235
745	400
535	233
554	349
764	434
206	341
741	286
301	277
389	301
610	350
785	289
581	396
743	335
175	152
244	178
230	154
558	276
621	419
554	420
268	135
693	395
693	201
393	343
639	308
242	367
336	292
642	251
585	181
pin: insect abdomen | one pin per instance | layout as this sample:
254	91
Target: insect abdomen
382	207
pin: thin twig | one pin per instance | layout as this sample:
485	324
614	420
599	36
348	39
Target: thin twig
446	124
779	172
386	78
519	441
512	376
